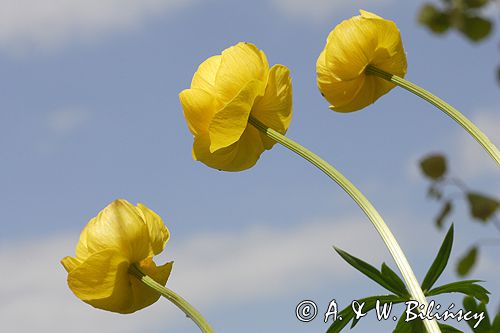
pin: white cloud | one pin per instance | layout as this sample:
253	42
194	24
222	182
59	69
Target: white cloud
473	160
211	270
243	266
28	24
320	9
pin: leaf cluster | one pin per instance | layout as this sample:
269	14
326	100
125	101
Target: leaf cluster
482	208
462	15
391	281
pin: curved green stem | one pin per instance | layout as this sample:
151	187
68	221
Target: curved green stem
370	211
180	302
453	113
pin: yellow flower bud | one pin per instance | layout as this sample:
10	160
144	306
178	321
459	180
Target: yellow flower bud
363	40
119	236
225	91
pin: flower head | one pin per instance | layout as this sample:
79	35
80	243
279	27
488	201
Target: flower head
225	91
363	40
119	236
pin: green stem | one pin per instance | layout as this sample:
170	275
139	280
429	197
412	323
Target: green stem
370	211
180	302
453	113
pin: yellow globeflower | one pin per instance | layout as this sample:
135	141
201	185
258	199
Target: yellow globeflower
363	40
225	91
119	236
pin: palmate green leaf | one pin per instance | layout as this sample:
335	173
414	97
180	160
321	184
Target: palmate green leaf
394	280
481	206
417	326
347	314
440	261
407	327
448	329
467	287
495	326
370	272
470	304
433	166
468	261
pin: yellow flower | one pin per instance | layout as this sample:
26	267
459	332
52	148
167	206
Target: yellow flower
119	236
363	40
227	89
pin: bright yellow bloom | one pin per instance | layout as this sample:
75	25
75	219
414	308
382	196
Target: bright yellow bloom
225	90
363	40
120	235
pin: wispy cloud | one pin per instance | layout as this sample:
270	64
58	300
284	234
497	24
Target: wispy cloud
29	24
244	266
320	9
472	160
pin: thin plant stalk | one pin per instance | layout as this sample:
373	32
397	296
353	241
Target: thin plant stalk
390	241
449	110
177	300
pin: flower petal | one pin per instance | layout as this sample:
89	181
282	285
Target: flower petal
218	159
82	251
229	123
274	109
350	48
204	78
239	65
158	232
199	108
103	281
239	156
119	226
143	295
368	15
70	263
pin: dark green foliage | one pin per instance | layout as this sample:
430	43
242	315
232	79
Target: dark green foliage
466	262
433	166
443	214
481	206
440	262
467	287
390	280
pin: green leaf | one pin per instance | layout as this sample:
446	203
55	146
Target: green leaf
467	287
347	314
468	261
475	3
481	206
448	329
445	211
403	326
433	166
440	262
394	280
495	327
437	21
471	305
474	27
367	270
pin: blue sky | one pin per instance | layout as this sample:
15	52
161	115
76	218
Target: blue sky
90	113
